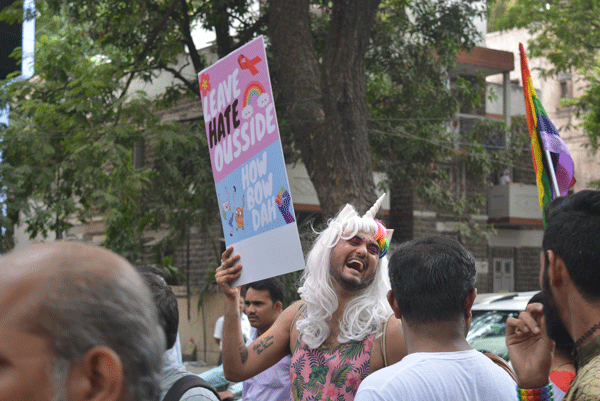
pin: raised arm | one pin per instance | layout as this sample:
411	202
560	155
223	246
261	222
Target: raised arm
241	362
529	347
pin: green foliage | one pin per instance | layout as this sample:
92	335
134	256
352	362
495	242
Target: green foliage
567	34
181	194
68	152
587	108
413	97
70	132
173	275
175	193
499	14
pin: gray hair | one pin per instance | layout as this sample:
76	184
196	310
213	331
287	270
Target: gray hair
77	311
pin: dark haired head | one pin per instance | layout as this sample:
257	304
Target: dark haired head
431	278
554	327
166	303
273	285
573	233
150	269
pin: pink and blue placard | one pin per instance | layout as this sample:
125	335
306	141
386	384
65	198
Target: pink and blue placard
255	203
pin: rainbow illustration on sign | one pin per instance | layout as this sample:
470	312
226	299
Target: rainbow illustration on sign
254	90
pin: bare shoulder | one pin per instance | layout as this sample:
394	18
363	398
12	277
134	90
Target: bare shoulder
394	340
292	316
288	316
284	321
294	308
394	347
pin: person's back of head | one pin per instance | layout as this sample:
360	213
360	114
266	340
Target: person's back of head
85	301
573	233
431	278
273	285
150	269
166	304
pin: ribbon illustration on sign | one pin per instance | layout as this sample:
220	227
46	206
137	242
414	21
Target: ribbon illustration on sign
249	64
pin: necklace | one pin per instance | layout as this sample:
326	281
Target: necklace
587	335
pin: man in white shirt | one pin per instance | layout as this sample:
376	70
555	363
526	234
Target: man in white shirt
264	302
433	290
216	376
247	329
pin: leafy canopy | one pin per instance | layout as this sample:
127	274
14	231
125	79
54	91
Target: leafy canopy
68	151
567	33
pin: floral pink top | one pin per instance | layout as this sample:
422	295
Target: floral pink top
329	374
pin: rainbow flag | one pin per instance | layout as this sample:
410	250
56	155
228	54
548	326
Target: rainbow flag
545	140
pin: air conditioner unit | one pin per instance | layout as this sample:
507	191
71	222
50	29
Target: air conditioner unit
514	201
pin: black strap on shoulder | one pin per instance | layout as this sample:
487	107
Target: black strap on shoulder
182	385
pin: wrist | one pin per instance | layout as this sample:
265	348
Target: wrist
543	393
532	382
533	377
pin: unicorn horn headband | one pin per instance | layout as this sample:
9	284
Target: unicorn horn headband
383	236
375	208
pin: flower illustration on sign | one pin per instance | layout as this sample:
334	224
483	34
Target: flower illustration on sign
204	84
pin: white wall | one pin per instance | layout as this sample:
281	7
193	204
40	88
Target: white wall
495	98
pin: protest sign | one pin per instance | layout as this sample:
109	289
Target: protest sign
255	203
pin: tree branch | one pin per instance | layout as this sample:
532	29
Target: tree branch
188	40
177	74
248	34
156	30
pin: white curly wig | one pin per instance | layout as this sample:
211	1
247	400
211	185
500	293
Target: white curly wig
368	310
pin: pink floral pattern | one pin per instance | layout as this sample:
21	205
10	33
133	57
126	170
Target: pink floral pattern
329	374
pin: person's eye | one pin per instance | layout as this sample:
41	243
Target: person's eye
373	249
355	240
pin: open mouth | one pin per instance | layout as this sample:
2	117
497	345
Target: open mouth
356	264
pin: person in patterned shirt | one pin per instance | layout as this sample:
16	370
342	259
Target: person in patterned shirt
341	330
570	281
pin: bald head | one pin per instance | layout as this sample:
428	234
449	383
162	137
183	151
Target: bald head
80	298
54	259
32	273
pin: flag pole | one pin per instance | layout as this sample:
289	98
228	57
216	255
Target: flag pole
552	174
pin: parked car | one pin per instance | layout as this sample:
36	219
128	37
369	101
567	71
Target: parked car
488	326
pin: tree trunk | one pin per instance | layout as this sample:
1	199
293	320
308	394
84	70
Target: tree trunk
326	106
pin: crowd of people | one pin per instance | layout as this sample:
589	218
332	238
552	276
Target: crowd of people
78	322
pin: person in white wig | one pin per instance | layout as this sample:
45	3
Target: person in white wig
341	330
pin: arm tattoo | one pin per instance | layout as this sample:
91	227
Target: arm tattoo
263	344
243	352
